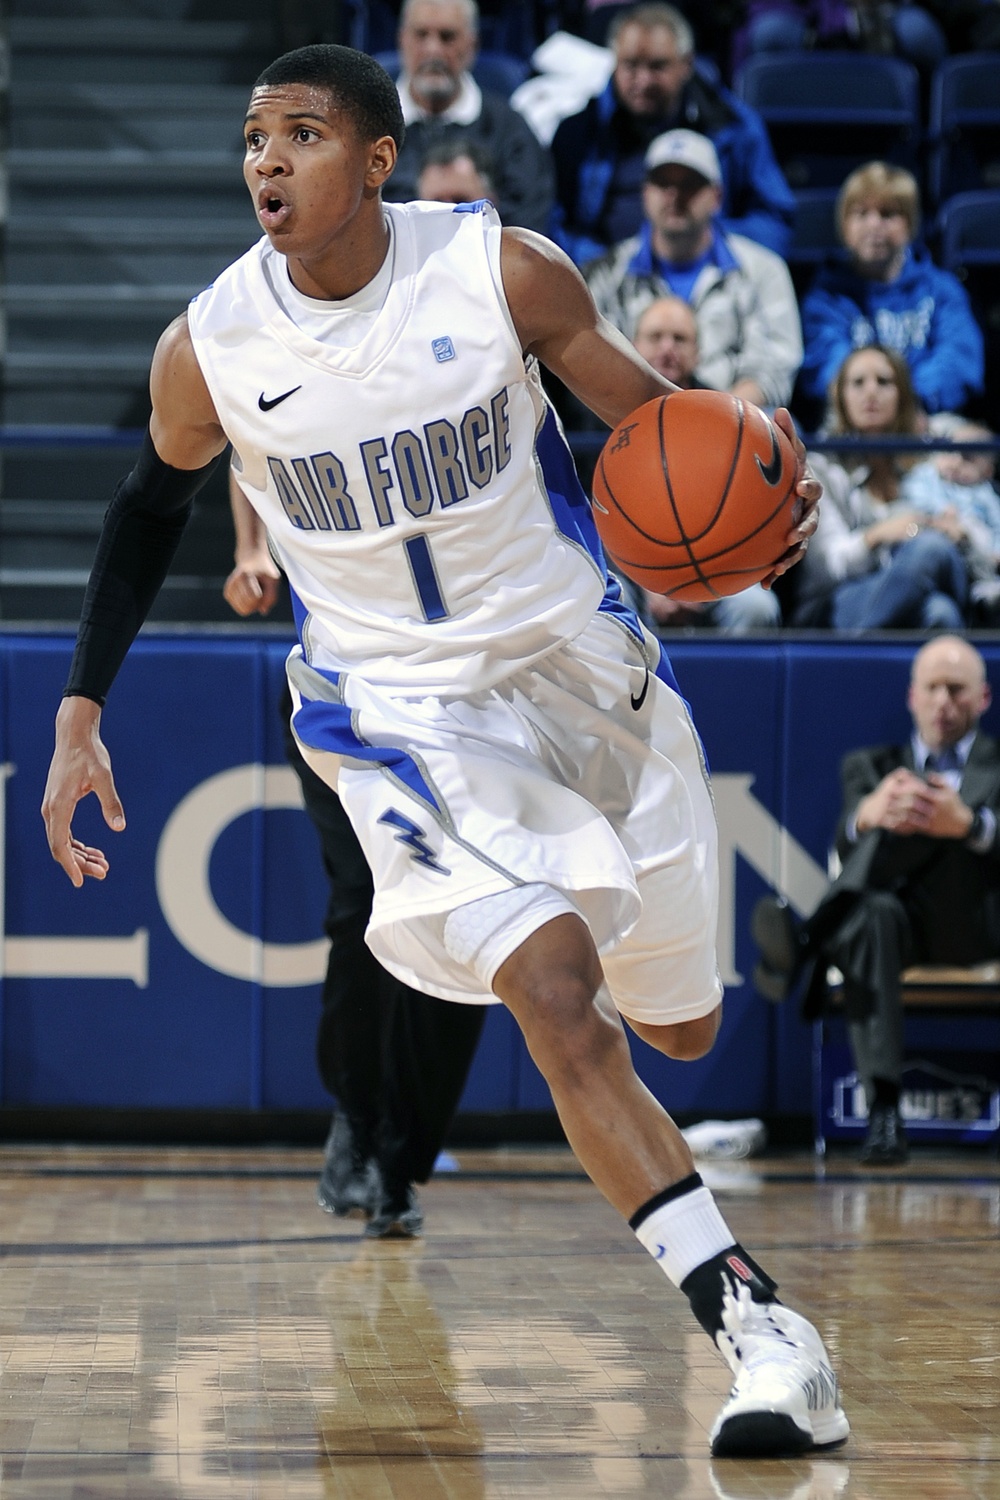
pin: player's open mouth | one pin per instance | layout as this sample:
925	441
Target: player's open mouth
272	210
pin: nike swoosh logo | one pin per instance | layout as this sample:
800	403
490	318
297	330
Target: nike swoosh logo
638	702
266	405
771	471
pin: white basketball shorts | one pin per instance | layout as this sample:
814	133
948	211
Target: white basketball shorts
582	772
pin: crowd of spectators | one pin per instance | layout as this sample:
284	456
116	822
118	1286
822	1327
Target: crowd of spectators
662	184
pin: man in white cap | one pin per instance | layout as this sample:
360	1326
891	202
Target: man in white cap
741	293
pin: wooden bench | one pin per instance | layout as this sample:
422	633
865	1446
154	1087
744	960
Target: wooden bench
926	988
944	985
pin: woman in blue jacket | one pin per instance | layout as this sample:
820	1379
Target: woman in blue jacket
887	292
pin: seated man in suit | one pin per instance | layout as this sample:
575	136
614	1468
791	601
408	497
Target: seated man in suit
920	880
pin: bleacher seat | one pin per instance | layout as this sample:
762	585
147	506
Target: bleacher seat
969	238
499	72
814	234
827	113
965	125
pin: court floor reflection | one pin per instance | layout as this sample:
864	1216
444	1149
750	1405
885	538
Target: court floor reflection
186	1326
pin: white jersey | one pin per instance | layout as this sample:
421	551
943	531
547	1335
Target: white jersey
417	487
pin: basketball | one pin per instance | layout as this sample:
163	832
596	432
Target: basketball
694	495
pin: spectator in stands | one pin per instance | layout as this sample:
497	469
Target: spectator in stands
600	152
441	99
920	880
667	336
456	171
908	31
741	293
956	490
889	292
875	562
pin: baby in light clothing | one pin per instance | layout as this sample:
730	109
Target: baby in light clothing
956	491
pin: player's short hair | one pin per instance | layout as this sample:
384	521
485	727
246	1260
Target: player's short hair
651	15
888	186
908	408
442	153
356	83
469	7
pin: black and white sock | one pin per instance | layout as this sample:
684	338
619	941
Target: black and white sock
689	1239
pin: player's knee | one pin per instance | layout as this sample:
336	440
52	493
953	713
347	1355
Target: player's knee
685	1041
569	1032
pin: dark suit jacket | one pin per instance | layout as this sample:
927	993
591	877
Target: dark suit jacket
522	167
951	894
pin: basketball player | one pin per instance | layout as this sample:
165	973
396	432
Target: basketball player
511	748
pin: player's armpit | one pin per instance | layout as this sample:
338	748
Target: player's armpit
556	321
184	425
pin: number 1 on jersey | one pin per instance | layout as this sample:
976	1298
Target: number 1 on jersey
425	579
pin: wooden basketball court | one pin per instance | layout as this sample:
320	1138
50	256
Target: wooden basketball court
186	1324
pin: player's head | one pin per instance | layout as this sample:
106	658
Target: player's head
456	170
873	393
359	88
666	336
437	44
948	692
682	193
878	211
323	128
654	54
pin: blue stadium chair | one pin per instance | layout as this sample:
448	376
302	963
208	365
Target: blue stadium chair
969	230
828	112
497	71
965	125
969	238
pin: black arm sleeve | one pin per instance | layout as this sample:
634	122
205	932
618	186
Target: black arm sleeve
143	526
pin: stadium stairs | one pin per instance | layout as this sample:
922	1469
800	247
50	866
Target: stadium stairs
124	198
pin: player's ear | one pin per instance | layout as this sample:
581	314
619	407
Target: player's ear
381	160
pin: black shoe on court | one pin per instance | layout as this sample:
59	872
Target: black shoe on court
782	952
785	1399
885	1144
348	1184
397	1215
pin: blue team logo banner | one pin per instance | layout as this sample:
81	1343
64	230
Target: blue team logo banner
191	977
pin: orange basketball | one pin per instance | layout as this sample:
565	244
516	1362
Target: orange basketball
694	495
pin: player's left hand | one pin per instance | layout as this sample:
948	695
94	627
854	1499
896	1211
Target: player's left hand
808	489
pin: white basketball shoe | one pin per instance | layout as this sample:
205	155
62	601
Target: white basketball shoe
785	1398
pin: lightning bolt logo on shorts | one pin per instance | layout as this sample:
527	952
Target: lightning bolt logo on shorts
413	835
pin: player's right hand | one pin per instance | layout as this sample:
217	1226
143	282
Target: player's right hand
80	764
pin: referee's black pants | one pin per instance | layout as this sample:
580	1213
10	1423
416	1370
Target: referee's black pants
395	1060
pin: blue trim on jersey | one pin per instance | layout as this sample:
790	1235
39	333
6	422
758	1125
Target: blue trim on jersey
324	725
567	497
574	517
665	672
476	206
299	614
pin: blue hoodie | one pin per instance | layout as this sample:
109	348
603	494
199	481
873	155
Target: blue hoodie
591	148
924	314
